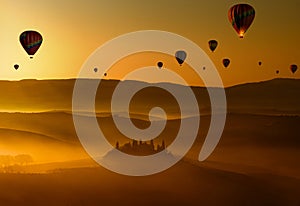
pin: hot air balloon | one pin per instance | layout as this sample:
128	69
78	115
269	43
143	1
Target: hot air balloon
105	74
160	64
180	56
293	68
259	63
277	71
95	69
241	17
226	62
31	41
212	45
16	66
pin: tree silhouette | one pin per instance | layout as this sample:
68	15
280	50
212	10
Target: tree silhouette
9	160
23	159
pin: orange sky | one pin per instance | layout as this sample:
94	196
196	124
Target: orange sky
72	30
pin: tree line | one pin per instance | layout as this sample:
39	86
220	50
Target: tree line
9	160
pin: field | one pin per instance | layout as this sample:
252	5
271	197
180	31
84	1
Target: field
255	163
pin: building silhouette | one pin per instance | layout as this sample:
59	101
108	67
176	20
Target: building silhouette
141	148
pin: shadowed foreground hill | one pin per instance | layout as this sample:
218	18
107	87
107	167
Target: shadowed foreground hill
183	184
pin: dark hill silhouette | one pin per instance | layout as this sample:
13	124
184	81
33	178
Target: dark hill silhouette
275	96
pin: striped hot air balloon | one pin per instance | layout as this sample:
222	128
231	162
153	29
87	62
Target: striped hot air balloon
31	41
241	17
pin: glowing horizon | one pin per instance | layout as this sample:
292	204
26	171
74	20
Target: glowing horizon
73	30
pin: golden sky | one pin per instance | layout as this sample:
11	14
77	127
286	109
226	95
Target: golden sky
73	29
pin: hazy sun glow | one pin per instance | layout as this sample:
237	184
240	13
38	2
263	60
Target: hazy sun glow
72	30
150	59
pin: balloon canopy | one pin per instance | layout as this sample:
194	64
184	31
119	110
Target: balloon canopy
31	41
293	68
212	44
241	17
180	56
226	62
160	64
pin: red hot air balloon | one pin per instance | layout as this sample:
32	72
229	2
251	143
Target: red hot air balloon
241	17
31	41
293	68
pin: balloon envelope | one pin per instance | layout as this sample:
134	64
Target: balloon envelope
226	62
241	17
16	66
180	56
212	45
95	69
293	68
259	63
31	41
277	71
160	64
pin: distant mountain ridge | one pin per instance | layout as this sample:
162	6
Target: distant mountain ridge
274	96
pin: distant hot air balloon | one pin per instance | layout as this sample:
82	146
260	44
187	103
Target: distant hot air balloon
212	45
105	74
241	17
226	62
277	71
31	41
180	56
16	66
95	69
160	64
203	68
293	68
259	63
